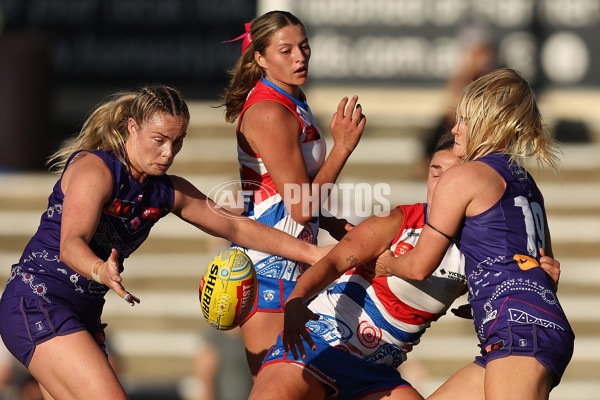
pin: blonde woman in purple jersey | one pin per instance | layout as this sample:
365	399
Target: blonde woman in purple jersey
113	188
498	220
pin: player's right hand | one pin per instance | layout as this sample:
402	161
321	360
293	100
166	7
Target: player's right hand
112	278
296	315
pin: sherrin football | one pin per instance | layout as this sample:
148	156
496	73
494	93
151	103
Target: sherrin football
228	289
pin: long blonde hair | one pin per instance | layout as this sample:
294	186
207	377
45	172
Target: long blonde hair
246	71
106	127
501	114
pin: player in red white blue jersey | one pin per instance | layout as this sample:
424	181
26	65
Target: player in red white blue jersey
364	326
284	164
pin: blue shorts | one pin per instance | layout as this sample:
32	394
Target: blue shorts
346	375
27	322
271	294
550	347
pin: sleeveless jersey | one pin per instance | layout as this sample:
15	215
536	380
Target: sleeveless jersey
262	201
507	286
381	319
124	224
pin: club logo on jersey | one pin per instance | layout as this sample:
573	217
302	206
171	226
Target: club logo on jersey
368	334
311	134
403	248
307	234
120	208
151	213
525	262
269	295
517	171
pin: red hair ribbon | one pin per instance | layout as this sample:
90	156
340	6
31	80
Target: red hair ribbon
246	36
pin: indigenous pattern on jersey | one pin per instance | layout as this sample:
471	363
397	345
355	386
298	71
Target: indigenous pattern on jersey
381	319
507	286
262	200
125	222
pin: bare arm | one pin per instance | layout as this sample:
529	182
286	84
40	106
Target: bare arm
194	207
363	243
467	189
273	131
87	186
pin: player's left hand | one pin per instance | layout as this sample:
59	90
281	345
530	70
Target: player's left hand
296	315
380	264
347	124
551	266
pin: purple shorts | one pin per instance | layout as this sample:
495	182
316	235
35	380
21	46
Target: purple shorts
550	347
27	322
346	375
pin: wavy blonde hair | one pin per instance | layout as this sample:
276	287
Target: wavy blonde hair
246	71
106	127
501	114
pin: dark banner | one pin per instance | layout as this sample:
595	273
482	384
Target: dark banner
59	58
422	42
131	42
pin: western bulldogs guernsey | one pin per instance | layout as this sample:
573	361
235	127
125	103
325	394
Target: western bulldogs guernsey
124	224
506	284
263	202
381	319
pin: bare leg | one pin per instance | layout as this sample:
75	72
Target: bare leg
73	366
517	377
206	368
466	384
260	333
396	394
286	381
45	394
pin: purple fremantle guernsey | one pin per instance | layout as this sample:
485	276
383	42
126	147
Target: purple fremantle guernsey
506	284
125	223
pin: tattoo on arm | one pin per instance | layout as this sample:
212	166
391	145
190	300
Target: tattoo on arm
352	260
347	239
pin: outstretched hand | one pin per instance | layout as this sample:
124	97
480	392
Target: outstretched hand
111	277
347	124
294	327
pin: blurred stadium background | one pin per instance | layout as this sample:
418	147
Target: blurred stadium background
58	58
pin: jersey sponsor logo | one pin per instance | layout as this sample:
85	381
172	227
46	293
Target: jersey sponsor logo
120	208
151	213
457	276
525	262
